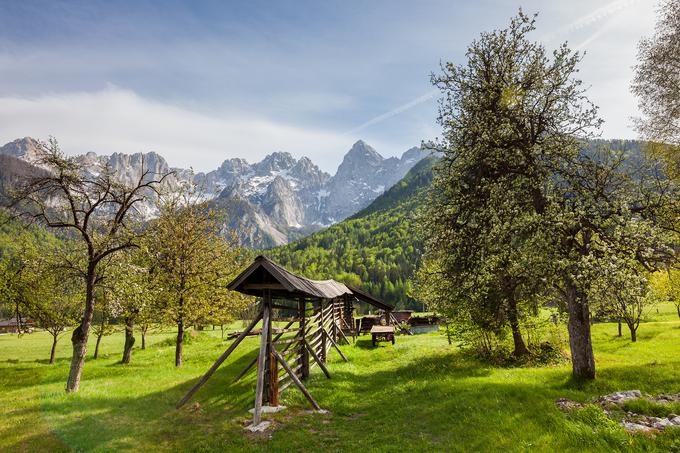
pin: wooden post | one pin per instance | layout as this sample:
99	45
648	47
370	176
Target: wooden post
254	361
322	356
262	358
219	361
272	370
295	379
334	344
304	354
319	362
273	379
334	323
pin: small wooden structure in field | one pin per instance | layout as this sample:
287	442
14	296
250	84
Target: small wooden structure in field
323	318
382	333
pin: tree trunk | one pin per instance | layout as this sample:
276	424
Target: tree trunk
677	308
129	340
80	335
54	348
144	327
633	333
520	347
96	347
620	328
580	343
180	344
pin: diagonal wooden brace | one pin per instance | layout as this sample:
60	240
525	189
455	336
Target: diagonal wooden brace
295	379
219	361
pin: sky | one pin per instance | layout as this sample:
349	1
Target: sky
203	81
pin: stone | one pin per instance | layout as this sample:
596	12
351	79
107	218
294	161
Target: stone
662	423
635	427
619	397
566	404
675	420
269	409
260	427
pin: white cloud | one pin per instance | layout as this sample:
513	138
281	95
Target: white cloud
117	120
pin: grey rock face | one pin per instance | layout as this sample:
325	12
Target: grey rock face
269	202
362	176
25	148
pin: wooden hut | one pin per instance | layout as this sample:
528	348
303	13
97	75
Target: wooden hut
324	317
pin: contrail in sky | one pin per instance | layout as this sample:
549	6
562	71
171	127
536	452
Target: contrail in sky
402	108
584	21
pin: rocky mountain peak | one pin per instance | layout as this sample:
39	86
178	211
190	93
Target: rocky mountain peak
270	201
275	162
362	151
26	148
414	154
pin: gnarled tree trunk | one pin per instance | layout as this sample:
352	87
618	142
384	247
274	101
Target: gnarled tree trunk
513	316
580	343
180	343
144	329
96	347
55	338
129	340
80	335
633	332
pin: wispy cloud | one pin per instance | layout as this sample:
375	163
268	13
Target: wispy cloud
118	120
590	18
605	12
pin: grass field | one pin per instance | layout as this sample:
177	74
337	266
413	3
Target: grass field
419	395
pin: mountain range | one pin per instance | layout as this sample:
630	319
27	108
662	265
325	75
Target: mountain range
267	203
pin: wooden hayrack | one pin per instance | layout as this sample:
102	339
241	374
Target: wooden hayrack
322	318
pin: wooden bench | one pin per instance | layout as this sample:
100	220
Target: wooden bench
382	333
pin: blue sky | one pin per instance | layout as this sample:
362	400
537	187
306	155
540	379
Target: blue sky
203	81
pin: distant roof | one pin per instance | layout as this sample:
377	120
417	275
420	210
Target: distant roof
265	273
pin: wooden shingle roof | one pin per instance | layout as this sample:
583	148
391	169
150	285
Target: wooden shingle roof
265	274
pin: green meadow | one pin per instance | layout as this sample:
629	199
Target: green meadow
420	395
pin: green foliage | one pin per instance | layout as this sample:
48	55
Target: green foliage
644	406
376	249
523	207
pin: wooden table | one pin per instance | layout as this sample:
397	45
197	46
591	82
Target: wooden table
382	333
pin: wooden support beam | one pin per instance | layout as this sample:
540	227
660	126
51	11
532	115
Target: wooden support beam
343	335
316	359
264	286
254	361
296	380
218	362
322	356
337	348
261	359
273	379
304	357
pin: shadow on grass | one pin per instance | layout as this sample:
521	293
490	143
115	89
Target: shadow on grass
436	401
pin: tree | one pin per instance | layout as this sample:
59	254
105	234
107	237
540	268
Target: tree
101	325
20	246
53	301
505	113
665	285
622	291
131	292
520	197
191	264
657	85
95	211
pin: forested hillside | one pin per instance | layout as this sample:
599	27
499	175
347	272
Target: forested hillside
376	248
